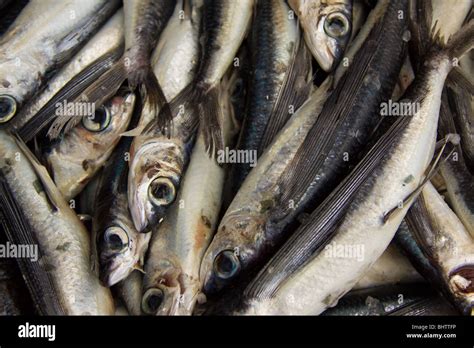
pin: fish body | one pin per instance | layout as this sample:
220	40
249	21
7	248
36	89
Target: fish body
273	41
32	49
129	291
348	118
121	249
447	244
157	161
171	283
364	223
97	54
61	238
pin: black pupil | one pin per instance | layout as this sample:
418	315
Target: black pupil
5	106
161	191
336	25
154	301
100	117
225	264
115	241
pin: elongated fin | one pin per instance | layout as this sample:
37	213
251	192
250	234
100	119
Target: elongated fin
441	157
456	77
69	92
210	122
433	305
461	42
296	179
310	238
39	282
293	92
53	194
103	89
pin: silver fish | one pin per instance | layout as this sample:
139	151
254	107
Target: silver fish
171	283
157	162
32	49
396	166
34	212
75	159
91	61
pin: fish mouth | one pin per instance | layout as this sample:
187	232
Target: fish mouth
8	107
113	272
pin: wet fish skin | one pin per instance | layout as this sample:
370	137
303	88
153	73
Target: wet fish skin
106	41
255	227
76	158
379	301
121	249
327	28
41	46
157	161
129	291
171	282
447	244
144	22
410	151
62	238
273	40
241	230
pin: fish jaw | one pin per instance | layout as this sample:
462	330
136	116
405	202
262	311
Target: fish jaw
162	291
313	15
157	165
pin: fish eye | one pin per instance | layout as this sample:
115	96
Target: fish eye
152	300
116	238
161	191
7	108
336	25
99	121
226	264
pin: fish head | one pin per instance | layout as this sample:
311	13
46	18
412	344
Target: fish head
461	283
17	81
122	250
110	120
153	179
234	249
162	292
326	28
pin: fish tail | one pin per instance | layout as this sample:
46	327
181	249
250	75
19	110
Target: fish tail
152	93
461	42
209	119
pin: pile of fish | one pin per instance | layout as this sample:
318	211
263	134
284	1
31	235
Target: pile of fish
250	157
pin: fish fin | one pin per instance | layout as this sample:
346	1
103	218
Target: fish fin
97	93
310	239
421	18
139	268
84	217
18	231
70	91
456	78
152	93
297	177
293	92
415	308
461	42
210	122
432	170
420	226
52	192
